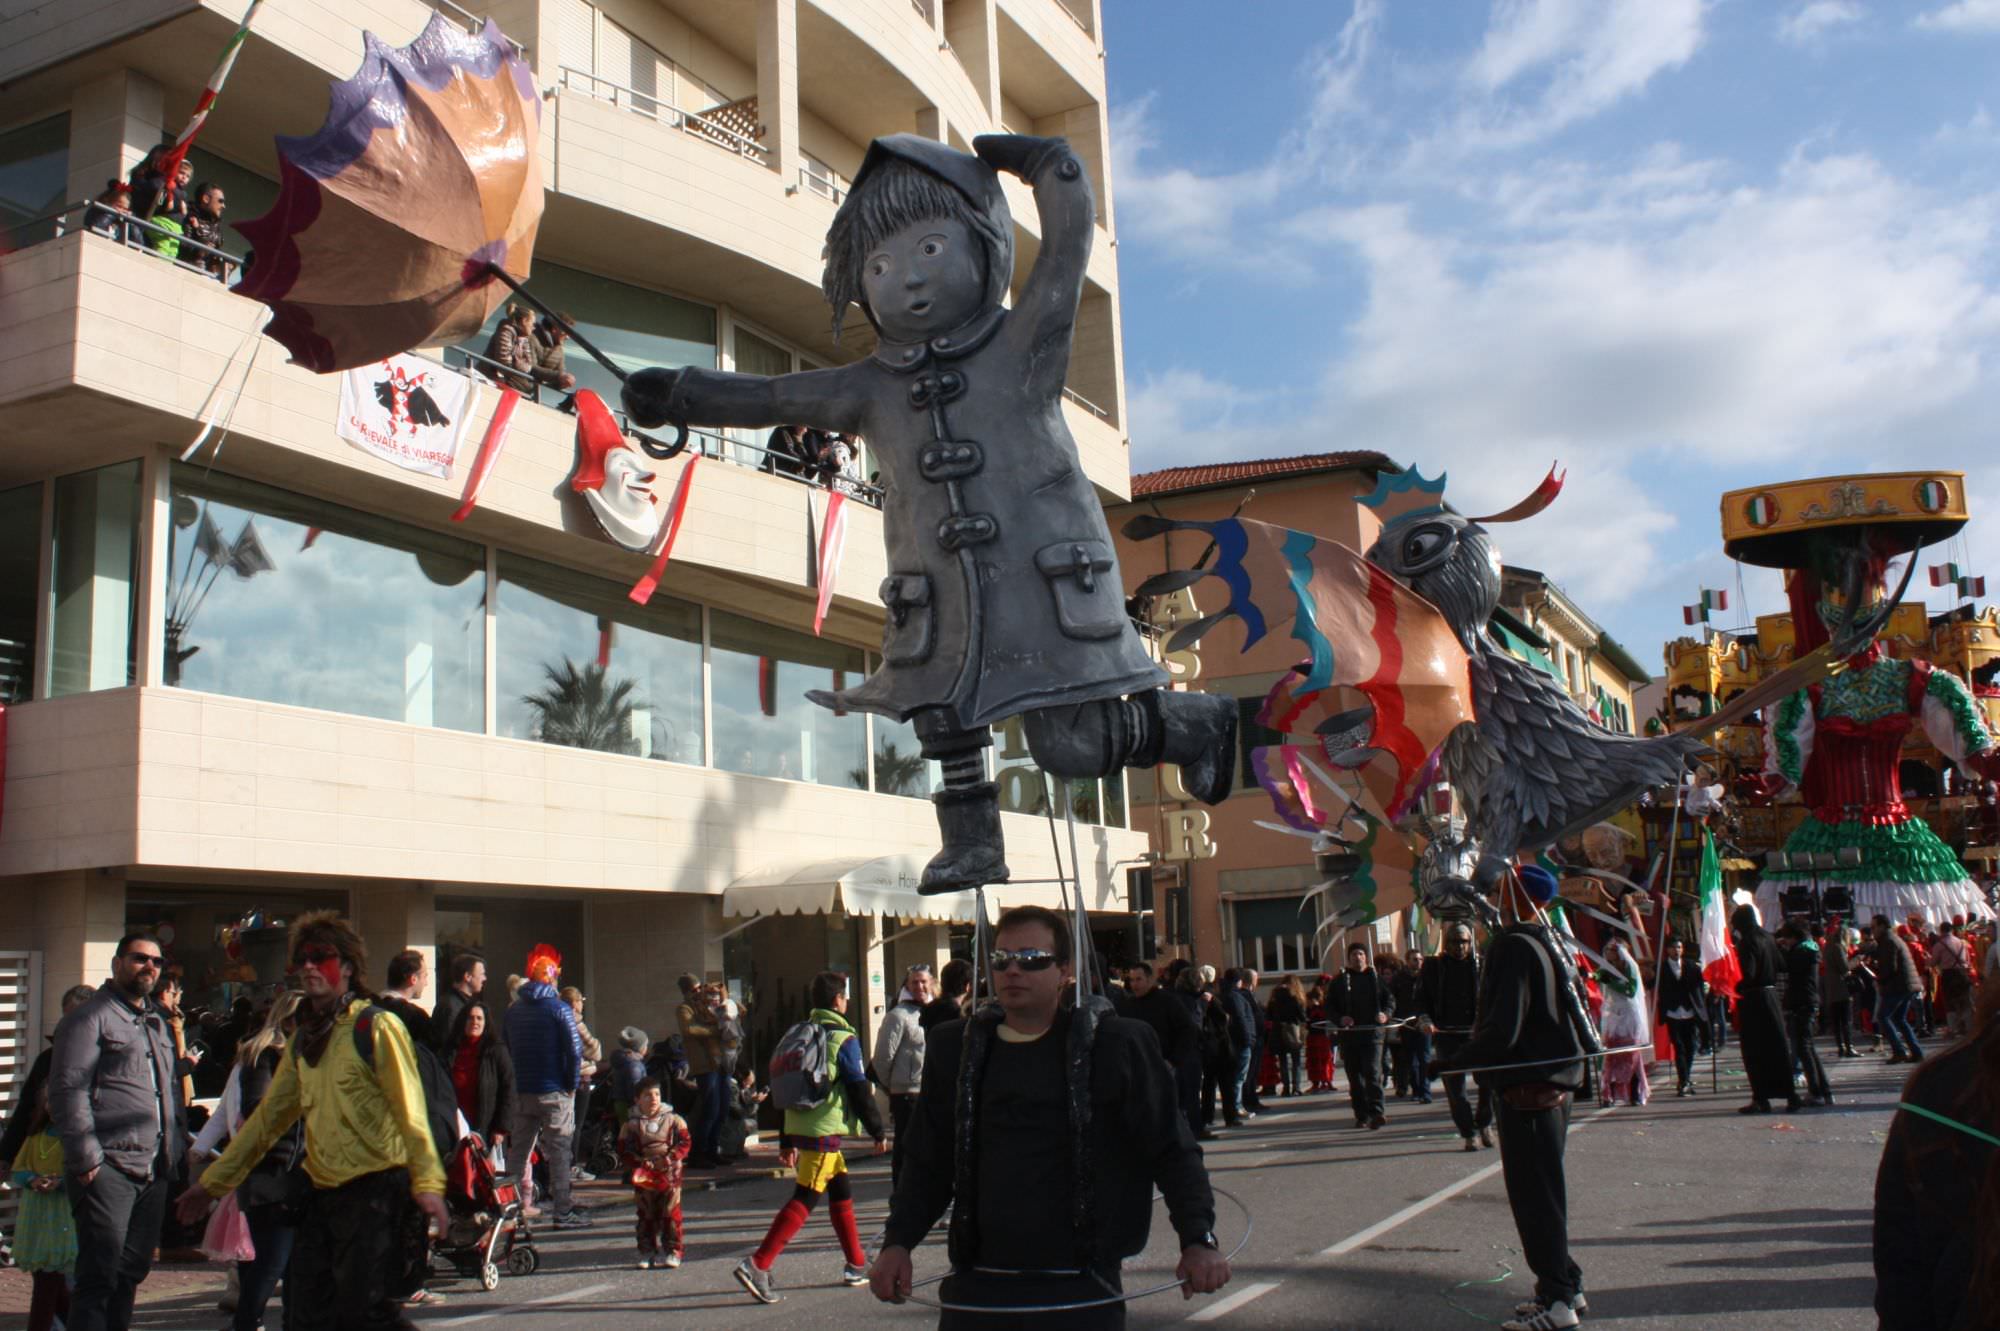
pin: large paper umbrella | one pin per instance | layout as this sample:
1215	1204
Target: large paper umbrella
393	218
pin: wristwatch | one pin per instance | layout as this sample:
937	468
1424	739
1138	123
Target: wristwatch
1205	1241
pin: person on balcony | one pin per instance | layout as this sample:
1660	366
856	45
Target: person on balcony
511	353
110	214
204	227
548	339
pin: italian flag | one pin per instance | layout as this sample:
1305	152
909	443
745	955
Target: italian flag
1718	958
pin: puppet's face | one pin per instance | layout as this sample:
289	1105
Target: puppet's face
926	279
624	504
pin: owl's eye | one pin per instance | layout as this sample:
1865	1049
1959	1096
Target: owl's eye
1425	546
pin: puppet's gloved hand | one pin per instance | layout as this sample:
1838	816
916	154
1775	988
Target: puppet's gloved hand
1022	154
647	396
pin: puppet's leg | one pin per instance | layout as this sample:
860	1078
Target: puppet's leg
1197	731
968	808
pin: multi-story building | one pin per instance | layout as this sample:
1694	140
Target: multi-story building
1228	890
277	676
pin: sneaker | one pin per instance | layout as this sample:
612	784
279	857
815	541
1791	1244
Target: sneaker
1471	1145
757	1282
578	1174
645	1262
574	1218
1528	1307
671	1262
1486	1138
853	1275
1534	1315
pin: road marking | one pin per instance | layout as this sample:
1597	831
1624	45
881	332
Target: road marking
1444	1194
1216	1311
563	1297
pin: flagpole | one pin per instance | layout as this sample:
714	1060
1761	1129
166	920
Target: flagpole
170	163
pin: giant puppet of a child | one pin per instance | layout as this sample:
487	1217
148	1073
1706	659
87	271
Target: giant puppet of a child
1004	594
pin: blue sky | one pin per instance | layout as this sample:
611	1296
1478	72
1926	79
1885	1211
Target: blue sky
1683	247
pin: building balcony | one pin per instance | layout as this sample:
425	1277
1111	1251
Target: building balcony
110	351
171	780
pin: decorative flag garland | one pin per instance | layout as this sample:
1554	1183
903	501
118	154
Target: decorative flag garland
1950	575
642	590
832	544
490	446
1698	612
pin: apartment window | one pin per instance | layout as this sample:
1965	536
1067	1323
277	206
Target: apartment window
634	326
34	175
1275	934
764	724
92	643
755	355
20	560
578	664
289	599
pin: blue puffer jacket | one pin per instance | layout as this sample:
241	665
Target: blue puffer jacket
543	1041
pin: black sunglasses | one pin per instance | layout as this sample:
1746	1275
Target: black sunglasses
1029	959
151	959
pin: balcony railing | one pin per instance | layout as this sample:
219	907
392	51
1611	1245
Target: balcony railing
732	127
1086	404
1074	17
825	184
137	233
924	10
474	24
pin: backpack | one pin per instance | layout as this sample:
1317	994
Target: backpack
440	1097
802	1067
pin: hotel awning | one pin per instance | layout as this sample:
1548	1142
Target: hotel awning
867	885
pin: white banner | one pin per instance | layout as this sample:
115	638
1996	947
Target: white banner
407	410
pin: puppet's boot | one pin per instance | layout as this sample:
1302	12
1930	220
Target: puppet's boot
974	851
1198	733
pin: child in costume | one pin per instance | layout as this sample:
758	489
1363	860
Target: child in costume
44	1230
654	1146
1004	594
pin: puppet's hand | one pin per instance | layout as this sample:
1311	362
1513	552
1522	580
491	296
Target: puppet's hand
1022	154
647	396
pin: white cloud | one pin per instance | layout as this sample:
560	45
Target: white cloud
1810	23
1187	214
1546	64
1963	16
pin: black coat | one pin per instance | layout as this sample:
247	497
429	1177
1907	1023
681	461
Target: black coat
1173	1025
1447	992
1802	980
493	1109
1926	1191
1362	996
1686	990
1523	1021
1138	1139
1767	1054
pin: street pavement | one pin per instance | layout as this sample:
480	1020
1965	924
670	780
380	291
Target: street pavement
1683	1214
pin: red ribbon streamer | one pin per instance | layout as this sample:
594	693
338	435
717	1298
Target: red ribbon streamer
489	452
642	590
832	541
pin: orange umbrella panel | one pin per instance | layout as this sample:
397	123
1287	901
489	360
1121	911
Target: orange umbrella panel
426	171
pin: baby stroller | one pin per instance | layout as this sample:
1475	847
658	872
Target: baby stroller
487	1228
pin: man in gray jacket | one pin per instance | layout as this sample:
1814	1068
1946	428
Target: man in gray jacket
112	1097
899	1053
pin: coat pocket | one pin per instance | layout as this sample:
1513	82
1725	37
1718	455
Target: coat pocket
908	633
1090	603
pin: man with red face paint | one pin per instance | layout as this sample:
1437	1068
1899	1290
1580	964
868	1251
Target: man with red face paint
351	1074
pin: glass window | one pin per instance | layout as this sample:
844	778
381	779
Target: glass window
756	355
294	600
577	663
245	194
1276	933
34	176
20	559
900	766
632	325
1114	800
91	604
764	726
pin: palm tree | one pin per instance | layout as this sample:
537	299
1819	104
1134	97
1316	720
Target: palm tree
583	710
896	773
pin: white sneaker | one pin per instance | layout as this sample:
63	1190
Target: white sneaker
645	1261
854	1275
671	1262
1534	1315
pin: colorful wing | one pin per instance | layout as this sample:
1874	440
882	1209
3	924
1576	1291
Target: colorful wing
1361	629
